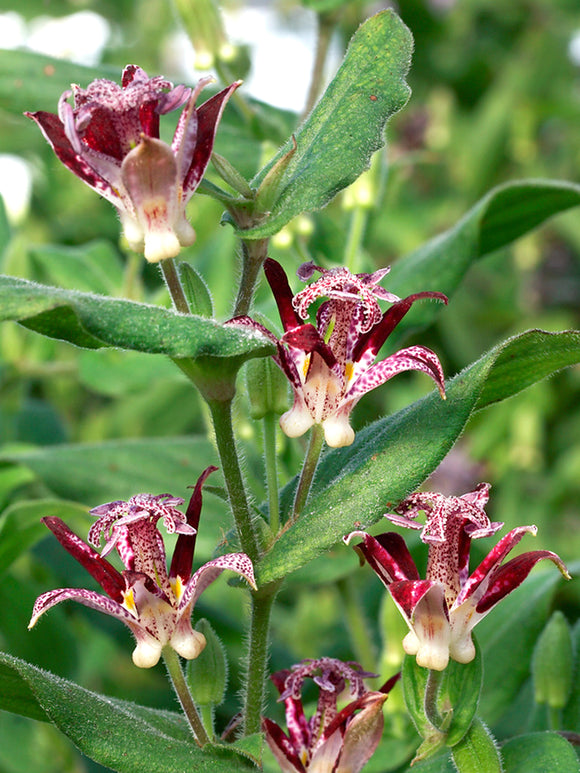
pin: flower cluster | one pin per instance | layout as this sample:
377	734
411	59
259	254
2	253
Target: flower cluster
154	603
110	140
330	741
442	610
330	364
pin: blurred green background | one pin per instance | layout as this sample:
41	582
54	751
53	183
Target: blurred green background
496	97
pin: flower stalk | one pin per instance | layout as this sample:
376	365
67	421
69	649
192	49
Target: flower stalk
177	679
308	470
171	277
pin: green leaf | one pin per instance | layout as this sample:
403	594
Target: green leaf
507	638
477	751
335	143
93	321
117	469
392	457
501	216
115	733
20	525
539	753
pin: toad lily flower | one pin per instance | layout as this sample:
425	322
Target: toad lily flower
110	139
442	610
331	741
154	604
330	364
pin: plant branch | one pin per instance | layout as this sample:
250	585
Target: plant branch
221	412
254	253
257	662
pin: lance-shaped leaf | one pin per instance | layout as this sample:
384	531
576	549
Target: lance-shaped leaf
119	734
504	214
93	321
390	458
335	143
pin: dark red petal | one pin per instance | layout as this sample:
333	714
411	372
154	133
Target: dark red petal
389	557
208	117
377	335
283	295
53	130
510	575
281	745
408	594
308	339
185	546
110	580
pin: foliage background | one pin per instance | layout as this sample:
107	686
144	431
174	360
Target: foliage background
496	97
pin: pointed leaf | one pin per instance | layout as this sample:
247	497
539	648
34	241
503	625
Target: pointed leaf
115	733
354	485
504	214
93	321
347	124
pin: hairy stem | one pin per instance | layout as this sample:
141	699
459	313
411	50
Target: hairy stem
171	660
254	253
221	412
308	469
270	424
174	286
430	700
257	662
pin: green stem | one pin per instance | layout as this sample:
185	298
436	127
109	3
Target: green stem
554	718
270	424
308	469
174	286
171	660
430	699
257	661
358	223
360	638
254	253
221	412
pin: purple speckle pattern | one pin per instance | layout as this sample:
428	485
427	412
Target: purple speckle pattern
442	610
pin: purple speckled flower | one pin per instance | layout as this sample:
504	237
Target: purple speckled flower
154	603
110	140
330	364
442	610
330	741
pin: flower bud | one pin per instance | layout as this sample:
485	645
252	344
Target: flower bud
207	675
553	663
267	388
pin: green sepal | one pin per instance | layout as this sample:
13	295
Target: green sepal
553	663
196	290
207	675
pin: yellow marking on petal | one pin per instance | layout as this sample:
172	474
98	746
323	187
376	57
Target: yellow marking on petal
305	366
348	370
177	587
129	602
